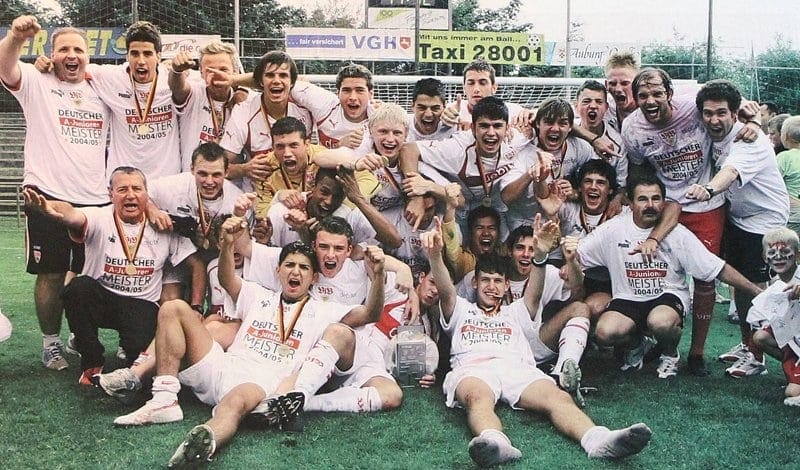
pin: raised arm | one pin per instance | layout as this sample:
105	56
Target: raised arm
371	311
22	28
432	243
544	238
177	78
233	228
536	174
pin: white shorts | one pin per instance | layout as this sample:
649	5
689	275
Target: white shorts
217	373
507	379
541	353
367	363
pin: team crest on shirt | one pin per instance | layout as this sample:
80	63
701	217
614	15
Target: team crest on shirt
670	137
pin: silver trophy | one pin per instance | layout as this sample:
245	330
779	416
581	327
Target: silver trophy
410	355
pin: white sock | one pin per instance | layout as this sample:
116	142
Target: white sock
732	307
47	340
165	389
601	442
356	400
141	359
572	341
317	368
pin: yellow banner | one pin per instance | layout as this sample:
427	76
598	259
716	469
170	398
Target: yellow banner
461	47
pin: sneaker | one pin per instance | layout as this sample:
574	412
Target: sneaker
90	376
733	317
747	366
721	299
792	401
697	366
70	348
53	357
734	354
152	413
668	366
121	355
491	449
195	450
283	411
121	384
5	328
634	358
570	380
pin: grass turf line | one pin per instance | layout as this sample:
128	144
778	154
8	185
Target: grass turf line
716	422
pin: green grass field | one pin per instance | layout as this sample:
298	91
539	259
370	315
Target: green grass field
709	423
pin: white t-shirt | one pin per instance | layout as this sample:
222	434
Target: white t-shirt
196	122
442	132
258	342
774	308
153	147
350	285
106	261
262	265
477	337
217	293
679	152
248	131
758	198
283	234
177	195
679	253
65	146
325	107
410	251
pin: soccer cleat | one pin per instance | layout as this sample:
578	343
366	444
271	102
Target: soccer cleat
70	347
697	366
734	354
668	366
792	401
196	450
733	317
570	380
747	366
152	413
284	411
121	384
622	442
491	449
721	299
5	328
53	357
89	377
634	358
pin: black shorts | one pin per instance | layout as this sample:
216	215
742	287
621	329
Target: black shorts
743	253
596	279
639	311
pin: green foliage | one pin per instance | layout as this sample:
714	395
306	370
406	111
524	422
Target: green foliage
778	81
10	9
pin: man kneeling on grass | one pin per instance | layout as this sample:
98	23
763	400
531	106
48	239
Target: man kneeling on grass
492	359
278	332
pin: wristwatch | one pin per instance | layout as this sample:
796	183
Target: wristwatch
710	190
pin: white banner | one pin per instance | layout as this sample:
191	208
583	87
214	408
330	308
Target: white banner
171	44
350	44
593	54
393	18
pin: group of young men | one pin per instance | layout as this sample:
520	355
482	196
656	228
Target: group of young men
270	275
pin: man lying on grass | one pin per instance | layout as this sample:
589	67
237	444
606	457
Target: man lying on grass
278	332
492	359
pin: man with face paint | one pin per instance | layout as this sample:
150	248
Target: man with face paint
747	174
650	294
773	313
64	159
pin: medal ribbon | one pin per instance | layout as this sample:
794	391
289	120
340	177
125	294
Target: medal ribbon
205	225
288	182
585	223
130	253
487	189
284	332
218	126
142	114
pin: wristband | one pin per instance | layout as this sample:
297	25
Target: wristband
654	239
538	262
591	142
753	121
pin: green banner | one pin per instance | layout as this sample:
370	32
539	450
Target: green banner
461	47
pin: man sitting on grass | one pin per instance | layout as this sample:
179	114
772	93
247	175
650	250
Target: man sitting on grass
278	332
492	360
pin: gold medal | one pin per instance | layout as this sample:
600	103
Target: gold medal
143	129
205	243
284	350
130	269
77	101
487	201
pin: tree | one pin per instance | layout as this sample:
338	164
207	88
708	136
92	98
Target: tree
10	9
779	75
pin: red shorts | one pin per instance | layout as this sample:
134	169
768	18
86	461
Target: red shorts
707	226
790	367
